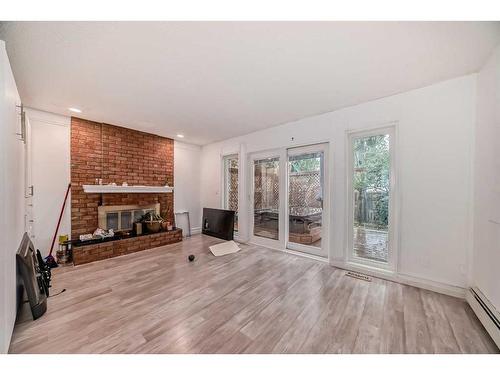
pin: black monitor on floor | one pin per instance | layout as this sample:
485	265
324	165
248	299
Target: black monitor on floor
218	223
29	271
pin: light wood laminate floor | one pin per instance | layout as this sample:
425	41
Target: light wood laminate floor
254	301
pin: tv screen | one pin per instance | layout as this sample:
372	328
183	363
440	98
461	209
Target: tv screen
29	271
218	223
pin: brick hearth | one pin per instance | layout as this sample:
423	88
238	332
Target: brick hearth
90	253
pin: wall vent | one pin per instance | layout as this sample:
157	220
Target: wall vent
358	275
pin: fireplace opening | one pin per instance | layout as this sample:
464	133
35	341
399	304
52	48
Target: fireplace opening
122	218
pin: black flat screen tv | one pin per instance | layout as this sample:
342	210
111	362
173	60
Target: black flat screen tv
218	223
32	280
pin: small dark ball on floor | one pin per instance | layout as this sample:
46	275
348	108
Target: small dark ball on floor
191	257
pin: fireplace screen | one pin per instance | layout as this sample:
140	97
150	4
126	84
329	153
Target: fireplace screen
112	220
121	218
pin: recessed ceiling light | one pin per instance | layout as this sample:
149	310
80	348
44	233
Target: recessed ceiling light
76	110
180	135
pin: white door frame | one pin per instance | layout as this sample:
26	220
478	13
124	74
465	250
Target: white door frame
223	176
268	242
223	197
325	230
392	262
28	182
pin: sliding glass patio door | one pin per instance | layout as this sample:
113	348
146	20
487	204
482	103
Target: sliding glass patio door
265	198
289	199
306	193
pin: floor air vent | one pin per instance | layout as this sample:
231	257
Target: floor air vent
358	275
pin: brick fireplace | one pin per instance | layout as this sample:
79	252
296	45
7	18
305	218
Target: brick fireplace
116	154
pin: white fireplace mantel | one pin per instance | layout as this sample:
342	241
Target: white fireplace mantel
102	189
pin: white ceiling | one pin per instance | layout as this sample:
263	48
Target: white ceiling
216	80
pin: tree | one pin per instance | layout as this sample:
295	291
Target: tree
308	163
371	175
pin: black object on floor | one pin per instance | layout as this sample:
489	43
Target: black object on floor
50	261
45	272
62	291
34	276
191	257
218	223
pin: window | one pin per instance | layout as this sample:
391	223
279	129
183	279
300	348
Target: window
370	196
266	198
230	189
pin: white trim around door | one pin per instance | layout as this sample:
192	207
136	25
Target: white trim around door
392	232
276	213
321	150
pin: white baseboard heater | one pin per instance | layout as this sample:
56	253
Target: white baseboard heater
486	313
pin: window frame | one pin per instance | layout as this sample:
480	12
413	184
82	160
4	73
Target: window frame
224	190
392	258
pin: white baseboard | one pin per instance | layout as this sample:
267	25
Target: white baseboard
298	253
305	255
196	230
241	240
411	280
482	315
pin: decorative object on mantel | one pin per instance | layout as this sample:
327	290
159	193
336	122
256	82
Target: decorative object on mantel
153	222
85	237
138	228
101	233
103	189
167	225
153	226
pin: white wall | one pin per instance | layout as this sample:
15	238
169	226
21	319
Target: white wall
486	265
49	173
187	182
435	131
11	197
